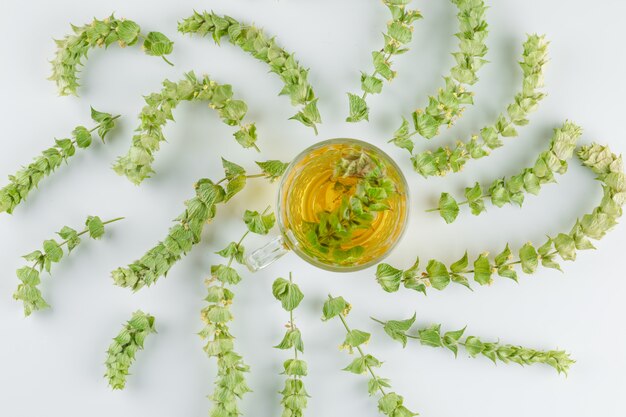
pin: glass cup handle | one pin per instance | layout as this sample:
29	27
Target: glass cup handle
267	254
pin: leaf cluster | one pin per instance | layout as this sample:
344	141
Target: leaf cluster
28	178
448	105
592	226
74	48
52	252
294	396
255	42
121	353
474	346
230	385
399	34
136	165
445	160
359	207
508	191
389	403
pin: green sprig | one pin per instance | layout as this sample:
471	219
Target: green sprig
136	165
74	48
254	41
449	104
27	179
389	403
187	232
52	252
294	396
593	226
445	160
474	346
121	353
230	385
508	191
399	35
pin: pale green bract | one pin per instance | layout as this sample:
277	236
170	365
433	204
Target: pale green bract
230	385
121	353
254	41
136	165
52	252
28	178
445	159
511	190
449	104
389	403
609	170
73	48
294	396
188	230
474	346
399	34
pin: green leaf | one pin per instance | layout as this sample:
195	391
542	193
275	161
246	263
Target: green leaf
529	259
438	274
95	226
128	31
295	367
448	208
356	338
287	293
29	276
358	109
474	346
431	336
232	170
259	223
82	136
157	44
375	384
335	306
233	250
360	365
225	274
273	169
451	340
503	257
388	277
370	84
53	251
397	329
460	265
292	339
566	246
482	270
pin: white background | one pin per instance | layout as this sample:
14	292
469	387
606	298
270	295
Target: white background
52	363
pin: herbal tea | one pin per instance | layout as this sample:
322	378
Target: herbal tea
343	204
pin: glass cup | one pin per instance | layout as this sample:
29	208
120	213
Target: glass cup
342	206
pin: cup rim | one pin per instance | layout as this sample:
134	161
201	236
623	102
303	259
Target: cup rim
289	241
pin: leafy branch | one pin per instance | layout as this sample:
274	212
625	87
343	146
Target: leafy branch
474	346
389	403
593	226
136	165
445	160
27	291
186	233
230	385
449	104
399	34
370	196
254	41
294	394
507	191
73	48
28	178
121	353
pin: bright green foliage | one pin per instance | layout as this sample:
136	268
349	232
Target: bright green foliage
52	252
73	48
254	41
389	403
508	191
445	160
335	229
136	165
122	351
449	104
187	232
431	336
609	170
294	396
273	169
399	35
28	178
230	385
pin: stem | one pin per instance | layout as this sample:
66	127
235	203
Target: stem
100	124
166	60
291	322
388	55
87	229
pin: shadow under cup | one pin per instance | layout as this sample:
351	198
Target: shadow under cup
342	206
